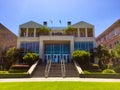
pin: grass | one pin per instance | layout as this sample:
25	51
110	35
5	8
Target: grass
60	86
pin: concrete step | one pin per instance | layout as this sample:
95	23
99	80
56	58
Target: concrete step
71	70
55	70
39	71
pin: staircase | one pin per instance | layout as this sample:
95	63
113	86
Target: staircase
55	70
40	70
71	70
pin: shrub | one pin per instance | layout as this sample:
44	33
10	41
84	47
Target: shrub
14	75
117	69
3	72
30	58
108	71
19	69
87	72
82	57
109	66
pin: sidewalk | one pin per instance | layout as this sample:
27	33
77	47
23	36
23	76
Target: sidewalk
58	79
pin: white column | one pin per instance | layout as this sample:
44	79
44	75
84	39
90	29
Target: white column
71	47
86	32
18	43
34	32
93	32
19	32
78	32
41	50
26	32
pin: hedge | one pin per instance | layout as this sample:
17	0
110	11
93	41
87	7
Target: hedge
117	76
14	75
6	74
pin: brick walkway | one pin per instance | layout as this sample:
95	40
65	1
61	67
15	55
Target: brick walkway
58	79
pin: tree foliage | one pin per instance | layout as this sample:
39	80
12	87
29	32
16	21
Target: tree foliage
101	52
103	55
13	54
117	51
3	63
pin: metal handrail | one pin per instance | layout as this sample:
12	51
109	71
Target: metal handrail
63	70
47	69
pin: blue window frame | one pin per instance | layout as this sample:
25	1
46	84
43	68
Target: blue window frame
30	46
83	46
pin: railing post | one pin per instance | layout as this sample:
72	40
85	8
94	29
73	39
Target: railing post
47	69
63	71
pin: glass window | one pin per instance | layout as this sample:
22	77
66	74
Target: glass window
115	32
82	32
90	32
83	46
30	46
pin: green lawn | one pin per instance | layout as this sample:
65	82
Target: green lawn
59	86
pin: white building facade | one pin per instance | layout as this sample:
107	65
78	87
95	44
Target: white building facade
57	44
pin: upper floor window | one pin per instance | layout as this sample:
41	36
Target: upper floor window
115	32
82	32
23	32
90	32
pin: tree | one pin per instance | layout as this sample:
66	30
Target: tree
102	54
30	58
12	55
2	58
115	55
82	57
117	49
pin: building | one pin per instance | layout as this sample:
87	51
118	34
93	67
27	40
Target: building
111	36
56	44
7	38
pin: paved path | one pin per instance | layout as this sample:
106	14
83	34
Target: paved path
58	79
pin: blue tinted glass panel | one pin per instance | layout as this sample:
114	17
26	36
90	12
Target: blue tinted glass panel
30	46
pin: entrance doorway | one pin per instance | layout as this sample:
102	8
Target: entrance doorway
57	52
56	58
47	57
66	57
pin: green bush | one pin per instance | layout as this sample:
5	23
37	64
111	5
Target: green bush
86	72
81	56
30	58
4	72
108	71
98	75
117	69
18	69
14	75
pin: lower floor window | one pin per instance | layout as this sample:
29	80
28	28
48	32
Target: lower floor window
83	46
30	47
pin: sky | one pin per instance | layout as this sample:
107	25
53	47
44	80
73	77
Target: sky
100	13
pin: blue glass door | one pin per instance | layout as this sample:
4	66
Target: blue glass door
57	52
